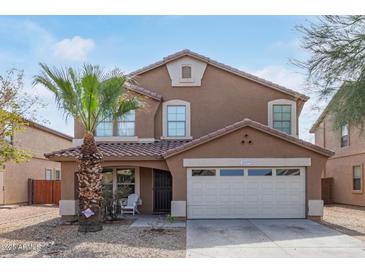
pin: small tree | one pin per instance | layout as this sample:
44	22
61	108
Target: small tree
15	106
337	65
89	96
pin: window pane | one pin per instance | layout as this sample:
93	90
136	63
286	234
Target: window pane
105	128
344	130
231	172
259	172
176	129
357	172
125	182
58	174
356	184
127	123
282	118
176	113
48	174
203	172
288	172
126	176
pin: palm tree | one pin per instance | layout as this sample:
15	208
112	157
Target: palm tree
89	96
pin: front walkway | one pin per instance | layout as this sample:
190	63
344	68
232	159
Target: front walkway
268	238
156	221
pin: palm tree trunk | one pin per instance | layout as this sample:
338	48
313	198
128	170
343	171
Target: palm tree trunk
90	191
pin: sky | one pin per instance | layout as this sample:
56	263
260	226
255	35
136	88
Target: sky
261	45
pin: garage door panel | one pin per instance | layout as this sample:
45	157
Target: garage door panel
246	196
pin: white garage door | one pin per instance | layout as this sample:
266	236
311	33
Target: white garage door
246	192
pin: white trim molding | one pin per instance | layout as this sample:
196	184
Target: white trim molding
176	102
315	208
242	162
293	105
174	69
78	142
178	208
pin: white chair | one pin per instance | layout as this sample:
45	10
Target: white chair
131	206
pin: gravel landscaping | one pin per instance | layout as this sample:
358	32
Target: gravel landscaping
346	219
36	231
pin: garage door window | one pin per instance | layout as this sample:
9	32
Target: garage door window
288	172
231	172
260	172
203	172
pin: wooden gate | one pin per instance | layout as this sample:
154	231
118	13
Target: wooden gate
44	191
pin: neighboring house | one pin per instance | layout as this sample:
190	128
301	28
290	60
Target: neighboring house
14	177
211	142
346	167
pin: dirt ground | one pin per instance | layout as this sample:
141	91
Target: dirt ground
36	231
346	219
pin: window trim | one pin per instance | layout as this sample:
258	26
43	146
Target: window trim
293	104
176	102
361	179
342	136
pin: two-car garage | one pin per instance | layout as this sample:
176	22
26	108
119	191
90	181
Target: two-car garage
246	192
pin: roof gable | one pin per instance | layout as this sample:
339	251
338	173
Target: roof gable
222	66
246	123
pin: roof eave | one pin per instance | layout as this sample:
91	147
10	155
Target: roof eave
230	69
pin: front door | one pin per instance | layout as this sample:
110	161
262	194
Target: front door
162	191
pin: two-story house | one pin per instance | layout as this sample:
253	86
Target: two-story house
37	139
211	142
346	167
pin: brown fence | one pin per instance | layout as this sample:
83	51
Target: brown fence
327	190
44	191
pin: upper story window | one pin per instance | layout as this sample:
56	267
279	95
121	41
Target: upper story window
282	115
344	135
127	124
282	118
186	72
105	128
176	121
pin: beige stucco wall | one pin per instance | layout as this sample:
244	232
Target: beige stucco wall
16	175
341	164
226	97
263	145
222	95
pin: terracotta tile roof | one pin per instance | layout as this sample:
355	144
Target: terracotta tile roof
241	124
143	91
122	149
166	148
206	59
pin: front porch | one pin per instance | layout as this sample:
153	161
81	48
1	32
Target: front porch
153	187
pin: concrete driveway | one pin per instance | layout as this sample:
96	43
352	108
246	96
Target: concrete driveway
268	238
